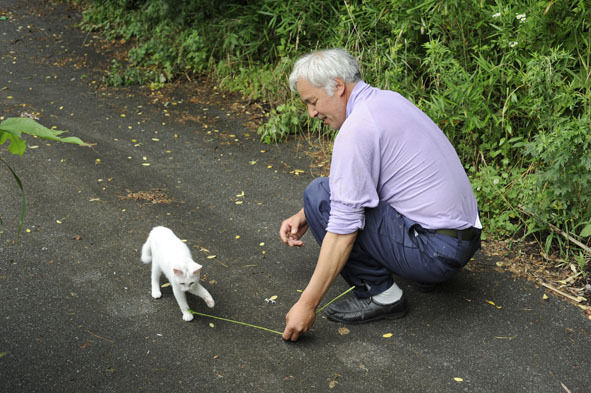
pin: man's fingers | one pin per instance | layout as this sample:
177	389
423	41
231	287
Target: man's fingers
294	242
290	334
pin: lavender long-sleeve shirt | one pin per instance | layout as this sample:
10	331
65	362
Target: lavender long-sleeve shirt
389	150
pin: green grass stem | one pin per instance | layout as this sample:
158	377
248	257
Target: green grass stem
264	328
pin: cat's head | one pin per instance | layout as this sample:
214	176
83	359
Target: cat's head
188	275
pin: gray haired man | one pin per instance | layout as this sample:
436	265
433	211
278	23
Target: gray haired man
397	200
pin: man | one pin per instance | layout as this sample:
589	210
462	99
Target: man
397	201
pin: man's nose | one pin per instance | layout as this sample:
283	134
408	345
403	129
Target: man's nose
312	112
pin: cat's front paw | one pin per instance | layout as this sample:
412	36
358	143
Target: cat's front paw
210	303
156	294
187	316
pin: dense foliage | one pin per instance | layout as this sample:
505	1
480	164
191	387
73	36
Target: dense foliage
507	81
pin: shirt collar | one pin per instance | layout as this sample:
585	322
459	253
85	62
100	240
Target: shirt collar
359	90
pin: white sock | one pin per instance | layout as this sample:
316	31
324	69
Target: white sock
389	296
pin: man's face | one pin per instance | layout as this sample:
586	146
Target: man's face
330	109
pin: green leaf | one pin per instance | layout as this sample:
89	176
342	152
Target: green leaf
17	144
15	126
586	232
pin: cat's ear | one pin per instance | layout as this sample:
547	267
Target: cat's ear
194	268
177	272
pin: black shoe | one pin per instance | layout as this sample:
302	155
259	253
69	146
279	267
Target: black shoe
355	310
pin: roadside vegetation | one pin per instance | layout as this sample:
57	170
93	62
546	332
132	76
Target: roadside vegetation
509	82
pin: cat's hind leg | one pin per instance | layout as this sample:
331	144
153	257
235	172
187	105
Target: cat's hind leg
146	252
203	293
156	273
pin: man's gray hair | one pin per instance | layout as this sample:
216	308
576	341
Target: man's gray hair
321	68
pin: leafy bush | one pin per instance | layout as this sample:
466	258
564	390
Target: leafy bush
507	81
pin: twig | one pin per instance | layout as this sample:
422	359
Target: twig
102	338
569	237
578	299
565	388
559	231
545	12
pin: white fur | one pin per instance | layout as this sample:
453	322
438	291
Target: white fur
169	255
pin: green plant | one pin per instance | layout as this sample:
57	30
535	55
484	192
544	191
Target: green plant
282	122
507	81
12	130
562	155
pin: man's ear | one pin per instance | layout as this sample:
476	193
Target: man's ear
340	87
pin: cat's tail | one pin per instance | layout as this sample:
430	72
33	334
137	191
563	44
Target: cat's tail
147	252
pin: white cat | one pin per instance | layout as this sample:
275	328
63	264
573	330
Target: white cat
169	255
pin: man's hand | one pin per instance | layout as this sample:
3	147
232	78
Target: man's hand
293	228
299	320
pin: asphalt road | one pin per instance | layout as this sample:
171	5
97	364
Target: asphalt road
77	315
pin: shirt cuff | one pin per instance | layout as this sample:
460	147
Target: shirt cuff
345	219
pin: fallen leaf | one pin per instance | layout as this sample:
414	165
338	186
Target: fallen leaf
545	297
458	379
211	256
493	304
166	284
274	297
211	325
344	331
387	335
85	345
